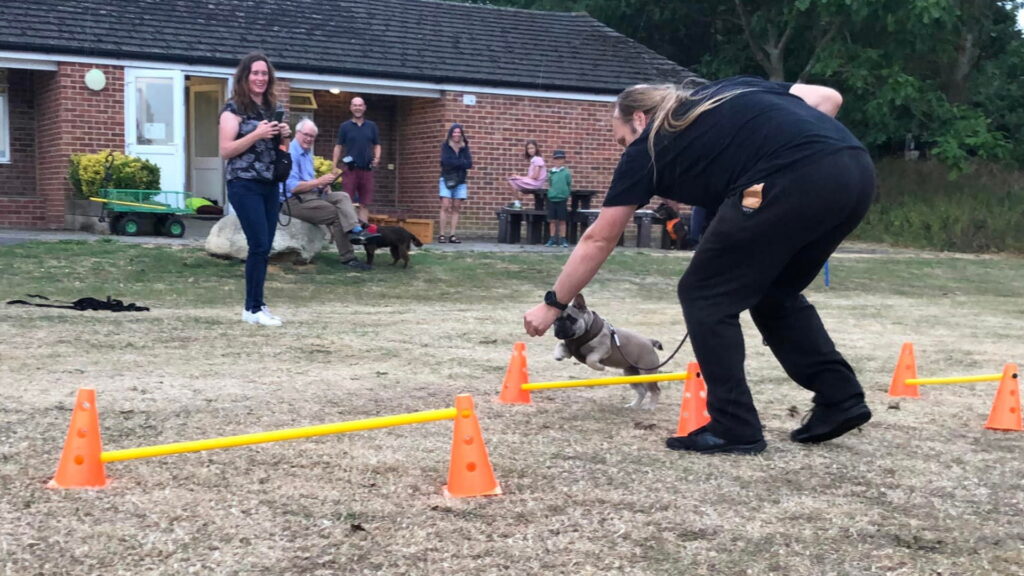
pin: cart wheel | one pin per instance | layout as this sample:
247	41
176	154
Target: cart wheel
114	222
128	226
174	227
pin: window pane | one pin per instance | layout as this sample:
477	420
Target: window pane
5	130
155	106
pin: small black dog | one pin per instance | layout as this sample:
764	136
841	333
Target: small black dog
398	239
677	228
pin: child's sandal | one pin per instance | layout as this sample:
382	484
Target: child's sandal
441	239
453	239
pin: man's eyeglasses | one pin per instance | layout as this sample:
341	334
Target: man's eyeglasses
307	134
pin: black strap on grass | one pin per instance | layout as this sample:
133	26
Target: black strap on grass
83	304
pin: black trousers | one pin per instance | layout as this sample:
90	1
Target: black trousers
761	261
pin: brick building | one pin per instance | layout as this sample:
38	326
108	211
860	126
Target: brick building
149	77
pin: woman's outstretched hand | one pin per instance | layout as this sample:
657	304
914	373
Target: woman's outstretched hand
538	319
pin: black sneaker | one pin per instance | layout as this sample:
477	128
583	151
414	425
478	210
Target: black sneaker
703	441
825	422
355	264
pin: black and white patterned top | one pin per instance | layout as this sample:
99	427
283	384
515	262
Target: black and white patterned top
256	163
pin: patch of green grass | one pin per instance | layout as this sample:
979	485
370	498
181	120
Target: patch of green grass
68	270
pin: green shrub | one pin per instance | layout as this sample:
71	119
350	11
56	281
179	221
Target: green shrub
87	172
919	206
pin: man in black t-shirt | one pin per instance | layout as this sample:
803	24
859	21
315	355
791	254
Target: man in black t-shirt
358	151
789	183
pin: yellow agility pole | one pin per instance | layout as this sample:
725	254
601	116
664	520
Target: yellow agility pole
607	381
95	199
954	380
279	435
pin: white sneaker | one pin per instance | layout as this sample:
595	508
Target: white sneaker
261	318
266	310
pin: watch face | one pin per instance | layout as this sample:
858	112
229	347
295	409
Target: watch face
552	300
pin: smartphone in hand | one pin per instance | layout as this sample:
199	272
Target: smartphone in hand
278	115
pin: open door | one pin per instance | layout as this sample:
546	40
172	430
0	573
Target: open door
155	125
205	167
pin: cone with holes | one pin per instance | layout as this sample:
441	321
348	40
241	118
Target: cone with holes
80	464
1005	413
515	376
693	411
906	369
470	473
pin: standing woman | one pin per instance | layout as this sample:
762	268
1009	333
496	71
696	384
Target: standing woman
247	134
536	176
790	183
455	161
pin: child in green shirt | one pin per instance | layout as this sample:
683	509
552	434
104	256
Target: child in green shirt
559	190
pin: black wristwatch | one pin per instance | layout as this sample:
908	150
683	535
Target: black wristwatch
551	300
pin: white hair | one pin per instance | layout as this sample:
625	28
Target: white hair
306	122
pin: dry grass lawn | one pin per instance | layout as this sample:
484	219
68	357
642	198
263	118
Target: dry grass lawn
589	486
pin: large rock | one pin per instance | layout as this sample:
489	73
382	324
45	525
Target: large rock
301	239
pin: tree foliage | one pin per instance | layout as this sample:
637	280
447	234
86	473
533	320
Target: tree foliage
945	75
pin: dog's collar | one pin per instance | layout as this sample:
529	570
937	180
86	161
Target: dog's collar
576	343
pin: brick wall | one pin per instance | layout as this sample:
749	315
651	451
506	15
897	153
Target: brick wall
498	128
18	178
68	118
419	144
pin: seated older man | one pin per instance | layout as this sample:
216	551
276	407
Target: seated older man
310	199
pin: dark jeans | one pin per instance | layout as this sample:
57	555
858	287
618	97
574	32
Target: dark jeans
700	218
761	261
256	203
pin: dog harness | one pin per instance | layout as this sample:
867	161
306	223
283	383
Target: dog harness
575	345
670	226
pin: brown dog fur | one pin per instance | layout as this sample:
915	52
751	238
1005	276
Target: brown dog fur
398	239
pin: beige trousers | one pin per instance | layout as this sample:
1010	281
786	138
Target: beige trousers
333	210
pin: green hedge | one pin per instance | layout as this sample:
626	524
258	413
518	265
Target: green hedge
919	206
86	173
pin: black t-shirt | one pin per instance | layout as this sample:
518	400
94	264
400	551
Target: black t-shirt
741	142
359	141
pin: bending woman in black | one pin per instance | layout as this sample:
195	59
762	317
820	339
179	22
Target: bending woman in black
790	183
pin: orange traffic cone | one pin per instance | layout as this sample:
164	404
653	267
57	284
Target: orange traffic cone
470	472
1005	413
693	410
906	369
80	465
515	376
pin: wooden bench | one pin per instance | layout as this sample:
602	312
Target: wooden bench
510	222
644	220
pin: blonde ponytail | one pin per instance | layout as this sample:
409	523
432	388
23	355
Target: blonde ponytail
659	101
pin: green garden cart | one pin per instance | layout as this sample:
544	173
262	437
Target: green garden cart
129	212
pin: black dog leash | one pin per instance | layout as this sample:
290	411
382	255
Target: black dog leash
615	340
83	304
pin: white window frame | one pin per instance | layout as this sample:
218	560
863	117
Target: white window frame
301	104
5	128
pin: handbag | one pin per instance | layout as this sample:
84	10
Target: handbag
452	179
282	162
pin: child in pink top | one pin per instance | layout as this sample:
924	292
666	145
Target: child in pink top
537	177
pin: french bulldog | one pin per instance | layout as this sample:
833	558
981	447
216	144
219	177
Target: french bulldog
587	337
